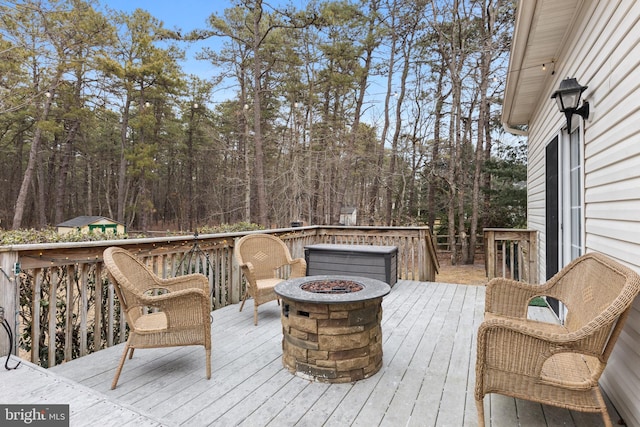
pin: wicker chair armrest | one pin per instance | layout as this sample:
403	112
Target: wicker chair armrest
186	307
549	332
166	299
298	267
557	338
510	298
528	346
188	281
248	271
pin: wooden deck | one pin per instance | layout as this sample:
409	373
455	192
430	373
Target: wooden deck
427	378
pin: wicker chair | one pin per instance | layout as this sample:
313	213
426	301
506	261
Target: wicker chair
265	261
558	365
159	312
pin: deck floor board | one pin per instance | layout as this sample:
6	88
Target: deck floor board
427	377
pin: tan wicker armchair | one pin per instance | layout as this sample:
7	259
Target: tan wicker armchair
558	365
265	261
159	312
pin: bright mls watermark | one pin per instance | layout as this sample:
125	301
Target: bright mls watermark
34	415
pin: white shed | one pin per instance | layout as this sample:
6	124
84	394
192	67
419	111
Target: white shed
584	182
348	216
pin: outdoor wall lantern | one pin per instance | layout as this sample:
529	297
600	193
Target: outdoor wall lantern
568	97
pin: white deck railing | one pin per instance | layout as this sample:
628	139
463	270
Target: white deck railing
58	298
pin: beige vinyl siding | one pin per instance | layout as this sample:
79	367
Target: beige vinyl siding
604	54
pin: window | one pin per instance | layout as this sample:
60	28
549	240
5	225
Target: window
564	211
575	195
104	228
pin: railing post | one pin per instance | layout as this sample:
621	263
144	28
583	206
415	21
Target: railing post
9	300
428	259
235	276
516	248
533	257
424	269
490	255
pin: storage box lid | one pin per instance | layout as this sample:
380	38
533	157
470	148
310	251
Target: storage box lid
353	248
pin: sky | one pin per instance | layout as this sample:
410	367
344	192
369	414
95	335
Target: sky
188	15
185	15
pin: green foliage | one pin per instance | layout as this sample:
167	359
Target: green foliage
508	192
538	302
56	277
50	235
230	228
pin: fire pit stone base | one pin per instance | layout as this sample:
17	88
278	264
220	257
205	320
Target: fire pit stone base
335	343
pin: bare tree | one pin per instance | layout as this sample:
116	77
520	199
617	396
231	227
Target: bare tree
260	25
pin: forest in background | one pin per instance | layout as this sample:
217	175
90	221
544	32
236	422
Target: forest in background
388	106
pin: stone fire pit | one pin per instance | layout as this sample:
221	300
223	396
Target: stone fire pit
331	327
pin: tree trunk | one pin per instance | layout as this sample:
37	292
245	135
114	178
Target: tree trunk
89	189
261	192
122	170
378	179
451	180
40	189
63	172
488	15
362	86
190	171
31	164
406	47
435	152
463	161
246	155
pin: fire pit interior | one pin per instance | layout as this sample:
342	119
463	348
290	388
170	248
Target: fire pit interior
332	286
331	327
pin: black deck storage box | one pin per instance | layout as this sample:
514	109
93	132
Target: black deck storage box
375	262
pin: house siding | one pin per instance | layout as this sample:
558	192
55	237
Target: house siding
604	54
86	224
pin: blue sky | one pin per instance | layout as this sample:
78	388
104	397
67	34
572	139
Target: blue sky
186	15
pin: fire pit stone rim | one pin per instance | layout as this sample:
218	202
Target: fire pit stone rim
291	289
